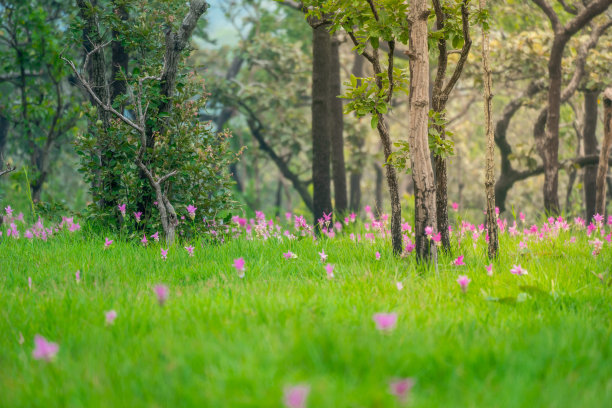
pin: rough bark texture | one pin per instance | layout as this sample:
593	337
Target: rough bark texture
493	244
321	149
4	126
589	135
422	171
337	129
378	190
119	56
96	76
439	97
548	145
606	149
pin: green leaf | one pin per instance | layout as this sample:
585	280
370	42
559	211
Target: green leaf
374	121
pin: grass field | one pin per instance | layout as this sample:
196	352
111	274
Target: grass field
539	340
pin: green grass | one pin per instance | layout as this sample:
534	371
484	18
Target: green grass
221	341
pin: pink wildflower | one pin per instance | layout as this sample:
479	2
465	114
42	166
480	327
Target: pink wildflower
455	206
401	388
489	269
137	216
144	240
107	243
192	211
9	210
399	285
295	396
289	255
329	269
239	265
77	276
111	315
385	321
437	238
323	255
189	250
597	246
598	218
155	236
164	253
44	350
377	256
162	292
121	208
429	231
518	270
463	281
30	282
459	261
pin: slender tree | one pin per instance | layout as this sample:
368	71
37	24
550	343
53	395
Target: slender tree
606	150
493	244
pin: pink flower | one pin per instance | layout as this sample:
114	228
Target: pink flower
401	388
77	276
518	270
164	253
385	321
597	246
239	265
107	243
329	269
190	250
459	261
428	231
436	238
410	247
489	269
323	255
43	349
111	315
522	217
155	236
289	255
137	216
30	282
377	256
455	206
463	281
295	396
399	285
192	211
162	292
609	219
121	208
598	218
144	240
9	210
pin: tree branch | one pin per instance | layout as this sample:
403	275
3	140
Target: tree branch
550	13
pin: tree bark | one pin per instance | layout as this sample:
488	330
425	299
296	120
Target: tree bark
606	148
119	56
378	198
548	145
4	126
337	128
422	170
439	97
589	135
321	138
493	244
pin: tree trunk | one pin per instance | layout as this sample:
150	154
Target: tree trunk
589	135
490	159
422	170
355	201
4	126
378	199
321	151
119	56
337	128
606	148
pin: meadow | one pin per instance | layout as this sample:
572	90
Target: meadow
533	328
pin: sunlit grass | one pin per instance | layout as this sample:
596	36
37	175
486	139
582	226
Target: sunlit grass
544	339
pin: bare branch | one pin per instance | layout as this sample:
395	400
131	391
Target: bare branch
568	8
465	50
366	54
550	13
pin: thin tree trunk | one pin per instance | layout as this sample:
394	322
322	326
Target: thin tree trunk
278	202
321	151
422	170
4	126
119	56
378	198
589	135
355	201
490	159
337	128
606	148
